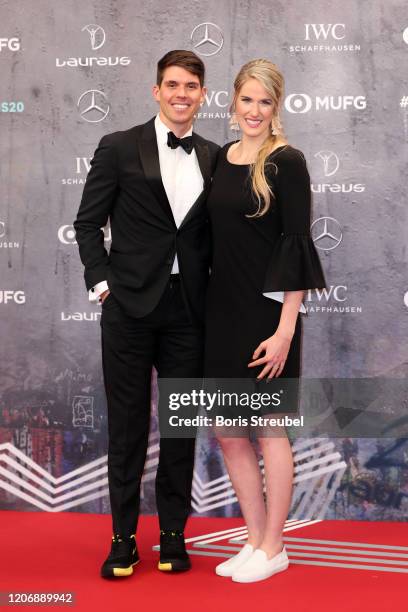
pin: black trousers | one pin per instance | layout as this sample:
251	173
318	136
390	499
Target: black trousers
167	340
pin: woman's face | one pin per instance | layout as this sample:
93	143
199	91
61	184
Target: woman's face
254	109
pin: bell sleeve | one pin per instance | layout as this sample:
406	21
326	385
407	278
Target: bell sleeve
294	264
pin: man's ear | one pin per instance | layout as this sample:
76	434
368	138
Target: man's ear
156	93
203	94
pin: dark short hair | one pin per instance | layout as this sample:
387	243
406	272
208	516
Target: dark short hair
185	59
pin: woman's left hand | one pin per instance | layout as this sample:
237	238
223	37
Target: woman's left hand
276	352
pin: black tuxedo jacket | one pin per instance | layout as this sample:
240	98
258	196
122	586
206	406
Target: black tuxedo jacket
124	184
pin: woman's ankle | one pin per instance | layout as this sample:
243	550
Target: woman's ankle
254	541
272	548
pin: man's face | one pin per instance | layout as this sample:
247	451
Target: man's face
179	96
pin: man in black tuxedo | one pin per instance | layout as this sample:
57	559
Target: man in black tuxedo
152	182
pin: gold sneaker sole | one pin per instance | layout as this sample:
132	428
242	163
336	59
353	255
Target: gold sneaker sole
165	567
124	571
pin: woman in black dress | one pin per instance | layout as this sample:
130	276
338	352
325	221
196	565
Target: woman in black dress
263	261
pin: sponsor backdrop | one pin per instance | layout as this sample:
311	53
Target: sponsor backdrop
74	72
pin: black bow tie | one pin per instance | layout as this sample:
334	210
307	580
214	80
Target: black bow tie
185	143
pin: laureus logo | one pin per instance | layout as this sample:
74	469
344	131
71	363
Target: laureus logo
97	35
80	316
97	38
329	163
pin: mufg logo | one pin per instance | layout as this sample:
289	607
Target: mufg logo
12	44
6	296
303	103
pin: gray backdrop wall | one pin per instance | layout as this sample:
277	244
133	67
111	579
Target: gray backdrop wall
72	72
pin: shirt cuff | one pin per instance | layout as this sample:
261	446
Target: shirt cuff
97	290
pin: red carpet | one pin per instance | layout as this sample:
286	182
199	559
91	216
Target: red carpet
44	552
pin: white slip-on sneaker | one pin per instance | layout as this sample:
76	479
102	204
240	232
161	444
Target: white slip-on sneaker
259	567
228	567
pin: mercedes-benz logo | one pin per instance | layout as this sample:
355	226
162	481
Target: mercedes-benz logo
330	162
326	233
298	103
97	34
88	107
207	38
2	229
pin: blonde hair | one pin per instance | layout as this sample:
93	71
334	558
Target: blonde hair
272	80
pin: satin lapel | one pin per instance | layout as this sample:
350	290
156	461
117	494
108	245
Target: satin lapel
194	208
149	157
203	157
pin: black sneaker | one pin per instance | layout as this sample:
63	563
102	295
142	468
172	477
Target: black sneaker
123	556
173	554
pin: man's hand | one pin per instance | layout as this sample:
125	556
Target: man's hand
104	295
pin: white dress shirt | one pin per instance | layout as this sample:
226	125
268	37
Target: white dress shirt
181	176
182	181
